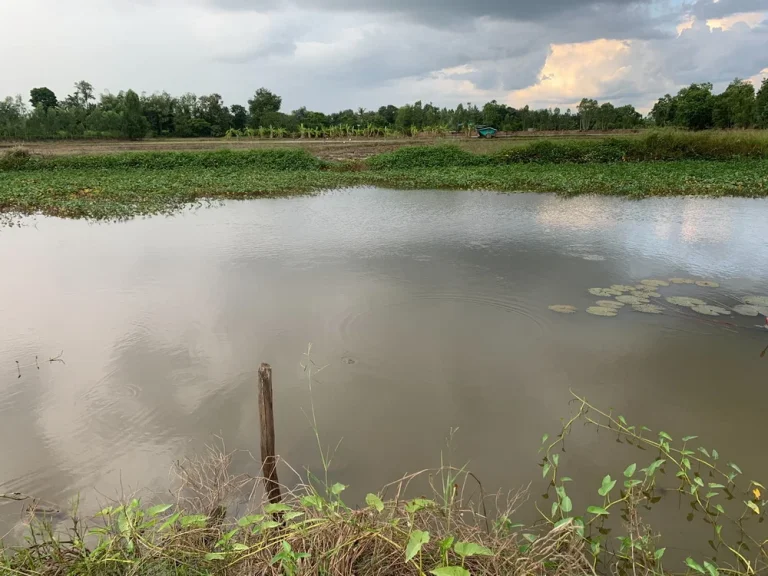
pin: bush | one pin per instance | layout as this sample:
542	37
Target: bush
15	158
427	157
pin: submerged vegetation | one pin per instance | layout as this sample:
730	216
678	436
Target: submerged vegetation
452	528
123	185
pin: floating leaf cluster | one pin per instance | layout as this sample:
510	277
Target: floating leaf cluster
563	308
601	311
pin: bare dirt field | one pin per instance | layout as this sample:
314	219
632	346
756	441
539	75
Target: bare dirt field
353	149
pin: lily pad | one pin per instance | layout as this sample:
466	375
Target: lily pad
628	299
651	294
610	304
563	308
604	292
648	308
601	311
686	301
757	300
622	288
746	310
710	310
707	284
654	283
682	280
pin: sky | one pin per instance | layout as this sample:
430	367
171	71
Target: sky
329	55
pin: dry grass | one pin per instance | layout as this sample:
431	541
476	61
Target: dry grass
313	532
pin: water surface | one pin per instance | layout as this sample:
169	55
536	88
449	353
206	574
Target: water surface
429	309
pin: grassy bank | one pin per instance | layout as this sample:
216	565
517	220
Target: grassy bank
452	527
123	185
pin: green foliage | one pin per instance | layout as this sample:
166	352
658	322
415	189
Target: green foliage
134	123
43	98
416	541
637	551
15	158
411	157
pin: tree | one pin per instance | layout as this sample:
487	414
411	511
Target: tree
239	116
588	111
134	124
694	106
264	103
160	112
761	104
43	97
664	111
83	93
212	110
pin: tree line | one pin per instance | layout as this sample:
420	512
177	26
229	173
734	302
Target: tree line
697	108
130	115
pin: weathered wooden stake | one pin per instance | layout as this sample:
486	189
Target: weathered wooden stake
267	417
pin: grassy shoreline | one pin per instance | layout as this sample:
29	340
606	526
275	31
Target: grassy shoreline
438	521
119	186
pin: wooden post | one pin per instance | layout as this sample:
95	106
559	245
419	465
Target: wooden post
267	418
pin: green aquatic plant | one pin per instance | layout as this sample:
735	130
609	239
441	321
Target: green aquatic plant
654	283
707	284
604	292
710	310
685	301
648	308
649	294
622	288
610	304
682	280
563	308
756	300
601	311
746	310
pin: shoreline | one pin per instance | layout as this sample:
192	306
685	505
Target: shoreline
125	185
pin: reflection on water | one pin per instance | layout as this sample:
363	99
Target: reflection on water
429	307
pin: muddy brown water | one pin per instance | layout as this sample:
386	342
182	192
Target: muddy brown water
429	309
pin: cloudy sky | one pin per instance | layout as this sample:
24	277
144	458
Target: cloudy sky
333	54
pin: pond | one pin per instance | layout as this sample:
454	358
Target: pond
125	346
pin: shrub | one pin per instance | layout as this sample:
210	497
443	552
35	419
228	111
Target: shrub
15	158
427	157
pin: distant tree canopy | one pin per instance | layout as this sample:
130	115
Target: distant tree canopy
695	107
128	115
43	97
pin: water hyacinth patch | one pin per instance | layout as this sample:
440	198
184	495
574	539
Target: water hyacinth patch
601	311
563	308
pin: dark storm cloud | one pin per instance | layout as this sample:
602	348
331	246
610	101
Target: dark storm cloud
441	12
706	9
